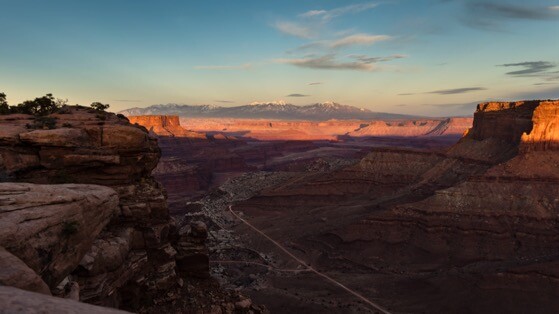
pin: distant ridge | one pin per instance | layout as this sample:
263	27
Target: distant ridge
267	110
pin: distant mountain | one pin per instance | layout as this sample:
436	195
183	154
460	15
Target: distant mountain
267	110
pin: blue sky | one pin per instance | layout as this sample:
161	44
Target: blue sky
431	57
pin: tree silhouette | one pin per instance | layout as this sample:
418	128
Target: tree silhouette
99	106
40	106
4	107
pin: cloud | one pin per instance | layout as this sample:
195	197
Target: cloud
309	23
297	95
457	90
361	39
489	15
316	83
327	15
225	101
511	11
246	66
453	91
328	62
530	68
357	39
554	7
294	29
369	59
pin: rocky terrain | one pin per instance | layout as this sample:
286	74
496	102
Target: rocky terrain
331	130
83	218
413	228
468	230
368	222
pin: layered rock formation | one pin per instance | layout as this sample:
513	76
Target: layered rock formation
480	218
268	130
164	126
115	243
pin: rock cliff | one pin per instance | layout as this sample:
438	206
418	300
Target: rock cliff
115	242
165	126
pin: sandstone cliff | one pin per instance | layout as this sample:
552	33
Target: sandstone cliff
116	243
165	126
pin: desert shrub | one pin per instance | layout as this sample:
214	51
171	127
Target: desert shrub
99	106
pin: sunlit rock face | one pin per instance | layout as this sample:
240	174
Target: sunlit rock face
268	130
122	253
164	126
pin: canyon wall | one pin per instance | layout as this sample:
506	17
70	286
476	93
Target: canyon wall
116	243
471	229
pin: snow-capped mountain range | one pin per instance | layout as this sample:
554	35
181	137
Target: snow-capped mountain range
267	110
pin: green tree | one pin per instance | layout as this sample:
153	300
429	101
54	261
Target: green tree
4	107
99	106
40	106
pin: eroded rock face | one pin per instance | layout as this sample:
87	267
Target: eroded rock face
165	126
137	265
15	273
51	227
192	257
544	135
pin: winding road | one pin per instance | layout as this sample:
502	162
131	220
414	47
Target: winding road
308	267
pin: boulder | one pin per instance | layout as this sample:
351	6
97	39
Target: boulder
51	227
14	272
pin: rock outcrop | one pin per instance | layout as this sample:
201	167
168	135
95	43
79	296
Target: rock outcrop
165	126
51	227
117	241
15	273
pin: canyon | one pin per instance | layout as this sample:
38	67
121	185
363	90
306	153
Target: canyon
168	213
425	214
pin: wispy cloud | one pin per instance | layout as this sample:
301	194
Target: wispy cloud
490	14
246	66
328	62
452	91
529	68
330	14
316	83
512	11
369	59
294	29
225	101
297	95
357	39
457	90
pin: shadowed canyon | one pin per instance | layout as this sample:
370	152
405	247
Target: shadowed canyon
151	213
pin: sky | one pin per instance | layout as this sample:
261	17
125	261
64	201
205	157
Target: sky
429	57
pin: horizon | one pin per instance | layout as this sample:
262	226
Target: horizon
429	57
